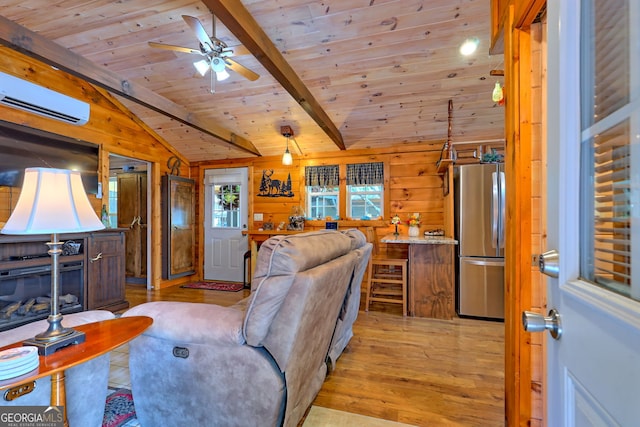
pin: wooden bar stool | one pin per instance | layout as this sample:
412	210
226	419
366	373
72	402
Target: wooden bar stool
386	277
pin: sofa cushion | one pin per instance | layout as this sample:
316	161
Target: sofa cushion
279	259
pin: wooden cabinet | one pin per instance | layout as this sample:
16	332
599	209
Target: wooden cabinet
432	281
132	215
106	270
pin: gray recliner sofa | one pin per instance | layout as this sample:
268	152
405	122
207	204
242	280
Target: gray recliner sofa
263	360
85	384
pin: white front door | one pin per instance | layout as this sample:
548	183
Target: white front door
593	211
225	216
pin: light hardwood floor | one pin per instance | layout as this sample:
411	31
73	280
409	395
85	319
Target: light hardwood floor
422	372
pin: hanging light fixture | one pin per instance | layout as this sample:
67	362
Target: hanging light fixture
287	132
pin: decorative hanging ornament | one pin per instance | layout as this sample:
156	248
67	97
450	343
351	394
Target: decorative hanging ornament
498	94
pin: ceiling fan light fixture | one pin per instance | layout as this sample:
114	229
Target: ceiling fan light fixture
217	65
222	75
469	46
202	66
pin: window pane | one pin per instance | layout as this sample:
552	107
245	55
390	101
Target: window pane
226	205
609	256
113	201
605	58
609	150
322	202
365	200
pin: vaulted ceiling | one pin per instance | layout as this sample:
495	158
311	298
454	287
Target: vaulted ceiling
343	74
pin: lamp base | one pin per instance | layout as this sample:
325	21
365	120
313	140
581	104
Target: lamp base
47	346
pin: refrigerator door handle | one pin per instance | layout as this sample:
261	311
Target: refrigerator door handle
502	209
495	209
485	263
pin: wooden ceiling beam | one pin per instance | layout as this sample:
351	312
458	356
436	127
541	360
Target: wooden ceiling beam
36	46
239	21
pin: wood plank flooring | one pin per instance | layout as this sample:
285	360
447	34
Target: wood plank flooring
422	372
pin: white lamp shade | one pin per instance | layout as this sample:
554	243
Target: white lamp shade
202	66
222	75
52	201
286	158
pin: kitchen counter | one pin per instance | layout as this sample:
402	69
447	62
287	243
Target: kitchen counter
431	290
420	240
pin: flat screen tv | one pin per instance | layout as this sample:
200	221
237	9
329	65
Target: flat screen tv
23	147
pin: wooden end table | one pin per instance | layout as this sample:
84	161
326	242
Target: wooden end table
101	338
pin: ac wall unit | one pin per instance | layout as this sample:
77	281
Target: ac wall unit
27	96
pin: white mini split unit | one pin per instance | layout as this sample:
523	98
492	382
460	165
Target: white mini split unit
21	94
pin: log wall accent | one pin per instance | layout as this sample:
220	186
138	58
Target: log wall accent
111	126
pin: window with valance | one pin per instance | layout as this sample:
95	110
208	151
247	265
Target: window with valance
323	191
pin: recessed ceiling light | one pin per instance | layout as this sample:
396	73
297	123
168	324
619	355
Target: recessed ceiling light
469	46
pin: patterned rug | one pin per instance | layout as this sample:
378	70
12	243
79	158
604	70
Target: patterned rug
119	410
215	286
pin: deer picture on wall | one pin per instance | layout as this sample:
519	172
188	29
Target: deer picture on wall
270	187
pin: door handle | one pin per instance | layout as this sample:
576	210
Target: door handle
535	322
485	263
549	263
96	258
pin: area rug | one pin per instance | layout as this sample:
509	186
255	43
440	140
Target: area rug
215	286
119	410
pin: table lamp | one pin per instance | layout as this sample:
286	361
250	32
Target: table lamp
53	201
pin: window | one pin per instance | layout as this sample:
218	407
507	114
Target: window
226	205
610	125
113	201
322	185
365	190
322	202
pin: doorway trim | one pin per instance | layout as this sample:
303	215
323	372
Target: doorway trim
139	165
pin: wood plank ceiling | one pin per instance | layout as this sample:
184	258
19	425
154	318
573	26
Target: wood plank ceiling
383	71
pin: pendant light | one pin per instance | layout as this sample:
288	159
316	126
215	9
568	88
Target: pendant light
287	132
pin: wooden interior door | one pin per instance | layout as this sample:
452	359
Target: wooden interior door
132	214
179	231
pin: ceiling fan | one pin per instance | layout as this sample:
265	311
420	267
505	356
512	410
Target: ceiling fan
217	55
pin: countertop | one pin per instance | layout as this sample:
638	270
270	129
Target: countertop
421	240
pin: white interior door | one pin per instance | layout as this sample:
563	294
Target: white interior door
593	213
225	216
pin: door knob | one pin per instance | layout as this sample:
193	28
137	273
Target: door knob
549	263
535	322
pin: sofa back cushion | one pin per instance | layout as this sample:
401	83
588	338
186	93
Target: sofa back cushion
279	260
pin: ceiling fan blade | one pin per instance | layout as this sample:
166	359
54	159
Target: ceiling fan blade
199	30
241	69
176	48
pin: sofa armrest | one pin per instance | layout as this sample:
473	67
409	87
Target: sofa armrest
192	322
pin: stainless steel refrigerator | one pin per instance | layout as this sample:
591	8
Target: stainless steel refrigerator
479	225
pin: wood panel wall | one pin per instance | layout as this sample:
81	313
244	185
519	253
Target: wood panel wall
524	158
538	223
412	185
111	126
